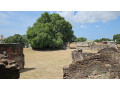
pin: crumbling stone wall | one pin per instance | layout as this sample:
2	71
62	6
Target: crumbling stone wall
8	68
98	47
79	55
14	52
108	49
95	47
102	65
84	48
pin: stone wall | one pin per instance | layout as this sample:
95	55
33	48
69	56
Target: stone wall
84	48
78	55
14	52
102	65
98	47
93	47
9	69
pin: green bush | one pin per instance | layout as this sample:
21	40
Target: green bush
81	39
116	38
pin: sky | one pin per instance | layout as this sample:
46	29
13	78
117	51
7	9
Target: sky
90	24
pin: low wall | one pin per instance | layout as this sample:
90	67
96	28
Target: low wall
98	47
9	69
14	52
93	47
98	66
84	48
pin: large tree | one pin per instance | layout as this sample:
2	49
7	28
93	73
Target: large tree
50	31
81	39
116	38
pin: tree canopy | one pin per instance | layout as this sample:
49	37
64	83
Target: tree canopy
21	39
81	39
116	38
102	39
50	31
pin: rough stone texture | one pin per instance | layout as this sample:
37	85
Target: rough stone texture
88	46
98	47
108	49
83	44
104	65
78	55
13	52
84	48
8	68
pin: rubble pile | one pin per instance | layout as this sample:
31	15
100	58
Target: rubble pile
8	68
14	52
102	65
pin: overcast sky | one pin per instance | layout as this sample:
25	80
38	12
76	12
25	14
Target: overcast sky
92	25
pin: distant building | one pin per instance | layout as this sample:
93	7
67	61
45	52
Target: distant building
1	39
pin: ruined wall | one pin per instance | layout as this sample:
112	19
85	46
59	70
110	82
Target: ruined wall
99	66
9	69
14	52
84	48
102	65
93	47
78	55
98	47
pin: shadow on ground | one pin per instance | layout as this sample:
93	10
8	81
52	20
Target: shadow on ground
50	49
26	69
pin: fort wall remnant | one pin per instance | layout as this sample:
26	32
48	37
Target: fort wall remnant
91	46
8	68
98	47
102	65
14	52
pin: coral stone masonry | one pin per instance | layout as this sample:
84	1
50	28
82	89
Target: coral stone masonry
102	65
13	52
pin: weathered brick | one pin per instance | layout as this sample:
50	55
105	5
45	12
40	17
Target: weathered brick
14	52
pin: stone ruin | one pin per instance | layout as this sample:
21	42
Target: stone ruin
102	65
8	68
88	46
13	52
11	60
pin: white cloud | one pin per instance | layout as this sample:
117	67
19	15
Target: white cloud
89	16
83	26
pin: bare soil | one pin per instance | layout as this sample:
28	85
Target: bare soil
46	64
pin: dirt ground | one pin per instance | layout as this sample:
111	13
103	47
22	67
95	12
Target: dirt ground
47	64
